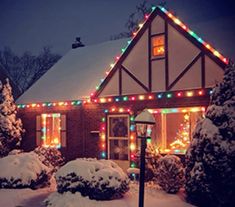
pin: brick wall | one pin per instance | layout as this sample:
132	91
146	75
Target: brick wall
83	120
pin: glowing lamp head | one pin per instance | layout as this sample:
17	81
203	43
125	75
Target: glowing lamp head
144	123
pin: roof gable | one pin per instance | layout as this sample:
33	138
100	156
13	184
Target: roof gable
181	44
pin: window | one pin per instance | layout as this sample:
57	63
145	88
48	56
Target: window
118	137
51	130
173	130
158	46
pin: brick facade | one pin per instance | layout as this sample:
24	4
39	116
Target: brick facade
83	122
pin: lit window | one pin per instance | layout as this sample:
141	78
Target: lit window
51	126
51	130
158	46
173	130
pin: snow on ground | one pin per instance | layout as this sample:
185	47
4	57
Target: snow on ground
23	197
34	198
153	197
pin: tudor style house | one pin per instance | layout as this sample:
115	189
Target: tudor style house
166	68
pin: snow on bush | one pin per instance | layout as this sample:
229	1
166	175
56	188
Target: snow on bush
152	156
15	152
98	179
22	171
210	159
10	126
170	173
51	157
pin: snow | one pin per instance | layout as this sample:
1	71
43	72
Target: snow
153	197
133	170
25	166
34	198
92	170
75	75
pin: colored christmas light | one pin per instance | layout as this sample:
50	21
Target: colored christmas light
194	35
176	94
132	135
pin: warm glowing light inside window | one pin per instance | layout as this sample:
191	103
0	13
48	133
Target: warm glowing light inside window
174	128
158	46
51	127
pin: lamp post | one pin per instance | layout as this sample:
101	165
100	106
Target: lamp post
144	122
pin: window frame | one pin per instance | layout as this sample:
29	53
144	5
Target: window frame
121	138
158	46
62	130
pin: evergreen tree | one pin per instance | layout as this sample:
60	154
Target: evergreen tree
210	159
10	126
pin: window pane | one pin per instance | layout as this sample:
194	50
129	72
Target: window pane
118	126
51	126
119	149
158	46
158	41
158	51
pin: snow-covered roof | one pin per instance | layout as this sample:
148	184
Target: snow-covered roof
76	75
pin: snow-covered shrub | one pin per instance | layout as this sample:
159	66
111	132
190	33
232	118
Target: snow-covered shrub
170	173
152	156
22	171
10	126
15	152
51	157
98	179
210	159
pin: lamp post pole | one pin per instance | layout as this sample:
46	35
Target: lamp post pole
142	171
143	121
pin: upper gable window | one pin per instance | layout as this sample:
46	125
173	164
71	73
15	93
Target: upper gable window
158	46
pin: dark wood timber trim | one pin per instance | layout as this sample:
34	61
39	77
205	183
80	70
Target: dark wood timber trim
156	12
157	34
149	58
166	57
120	81
158	58
185	70
135	79
126	53
203	71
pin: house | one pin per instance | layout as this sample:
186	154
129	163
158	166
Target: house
165	68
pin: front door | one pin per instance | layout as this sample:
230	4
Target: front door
118	139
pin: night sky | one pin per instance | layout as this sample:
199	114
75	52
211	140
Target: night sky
31	24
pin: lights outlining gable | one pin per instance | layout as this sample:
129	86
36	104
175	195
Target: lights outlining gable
176	21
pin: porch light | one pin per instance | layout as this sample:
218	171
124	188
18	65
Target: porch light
144	123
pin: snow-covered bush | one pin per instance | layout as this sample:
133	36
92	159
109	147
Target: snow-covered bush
152	156
15	152
10	126
98	179
22	171
210	159
170	173
51	157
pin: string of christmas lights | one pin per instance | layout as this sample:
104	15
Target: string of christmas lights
177	21
152	96
132	138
